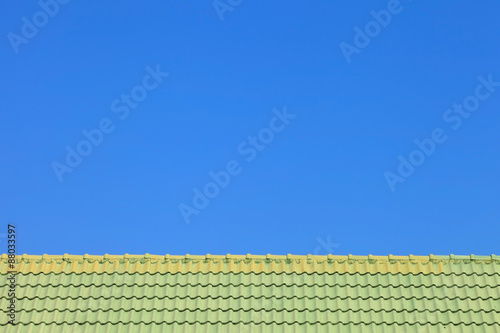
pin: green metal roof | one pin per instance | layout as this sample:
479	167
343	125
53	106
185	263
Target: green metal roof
254	294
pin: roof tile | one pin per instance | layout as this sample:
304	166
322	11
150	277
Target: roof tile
261	293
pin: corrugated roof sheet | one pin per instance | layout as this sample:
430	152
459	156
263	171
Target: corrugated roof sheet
255	294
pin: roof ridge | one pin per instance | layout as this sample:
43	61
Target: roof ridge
309	257
252	263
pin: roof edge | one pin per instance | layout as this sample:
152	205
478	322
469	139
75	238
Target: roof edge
246	264
309	257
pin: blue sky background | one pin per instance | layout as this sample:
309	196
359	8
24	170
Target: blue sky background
318	187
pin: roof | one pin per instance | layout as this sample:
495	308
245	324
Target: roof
251	293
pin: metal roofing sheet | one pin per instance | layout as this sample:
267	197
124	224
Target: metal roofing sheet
255	293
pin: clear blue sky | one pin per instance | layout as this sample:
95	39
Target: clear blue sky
320	177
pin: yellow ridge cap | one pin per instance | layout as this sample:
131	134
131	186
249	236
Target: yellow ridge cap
127	256
208	263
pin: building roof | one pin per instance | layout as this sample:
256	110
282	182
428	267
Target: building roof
252	293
